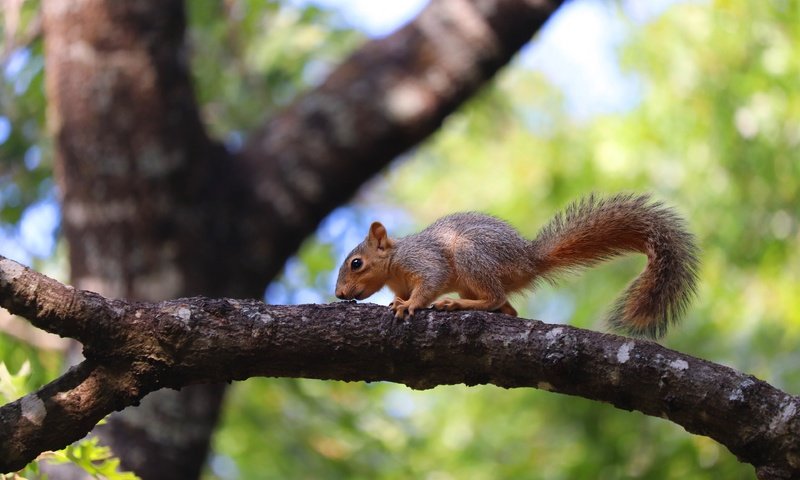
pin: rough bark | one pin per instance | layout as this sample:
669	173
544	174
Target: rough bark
154	209
133	348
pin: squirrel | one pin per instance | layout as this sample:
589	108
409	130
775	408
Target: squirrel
484	260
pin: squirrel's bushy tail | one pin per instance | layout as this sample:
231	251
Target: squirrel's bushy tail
592	230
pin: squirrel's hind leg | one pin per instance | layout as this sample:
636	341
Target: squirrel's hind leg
489	305
508	309
472	299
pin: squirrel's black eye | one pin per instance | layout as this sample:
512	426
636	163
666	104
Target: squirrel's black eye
355	264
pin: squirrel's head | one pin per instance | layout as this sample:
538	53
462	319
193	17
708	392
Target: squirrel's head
365	269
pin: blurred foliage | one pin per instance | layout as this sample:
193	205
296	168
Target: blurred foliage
715	134
40	366
25	161
93	458
251	56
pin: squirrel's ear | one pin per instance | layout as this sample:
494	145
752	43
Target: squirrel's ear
378	236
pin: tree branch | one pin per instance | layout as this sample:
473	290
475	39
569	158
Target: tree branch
50	305
197	340
387	97
65	410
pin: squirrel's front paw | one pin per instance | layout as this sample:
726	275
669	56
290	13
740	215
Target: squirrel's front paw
399	307
402	307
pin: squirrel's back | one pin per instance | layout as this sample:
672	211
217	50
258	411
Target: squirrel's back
474	248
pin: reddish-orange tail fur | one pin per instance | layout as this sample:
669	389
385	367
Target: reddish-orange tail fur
592	230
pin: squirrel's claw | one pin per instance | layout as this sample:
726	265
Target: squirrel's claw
401	307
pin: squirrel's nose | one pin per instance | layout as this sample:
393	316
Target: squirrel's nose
340	295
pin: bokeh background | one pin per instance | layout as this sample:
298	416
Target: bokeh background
697	102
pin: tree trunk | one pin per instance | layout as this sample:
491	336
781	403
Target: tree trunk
137	173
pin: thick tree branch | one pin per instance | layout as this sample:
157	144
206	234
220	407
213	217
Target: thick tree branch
196	340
